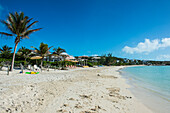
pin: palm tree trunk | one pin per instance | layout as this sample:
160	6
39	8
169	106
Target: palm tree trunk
41	63
13	59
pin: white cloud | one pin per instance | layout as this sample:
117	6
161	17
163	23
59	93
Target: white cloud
163	57
148	46
95	55
165	42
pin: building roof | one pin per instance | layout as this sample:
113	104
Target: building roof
64	54
70	58
96	58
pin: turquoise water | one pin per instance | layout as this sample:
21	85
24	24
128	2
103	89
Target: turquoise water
153	81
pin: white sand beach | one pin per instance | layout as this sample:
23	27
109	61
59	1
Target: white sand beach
81	90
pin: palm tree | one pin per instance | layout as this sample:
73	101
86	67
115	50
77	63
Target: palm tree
42	51
58	51
19	27
24	52
5	51
5	48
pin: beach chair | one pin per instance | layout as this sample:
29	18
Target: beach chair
22	68
36	68
29	67
43	68
32	68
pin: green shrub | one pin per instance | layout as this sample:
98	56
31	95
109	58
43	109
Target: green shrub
4	59
89	64
17	63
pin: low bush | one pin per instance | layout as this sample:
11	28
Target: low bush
89	64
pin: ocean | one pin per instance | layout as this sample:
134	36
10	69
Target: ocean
151	85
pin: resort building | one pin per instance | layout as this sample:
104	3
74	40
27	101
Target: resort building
96	58
83	60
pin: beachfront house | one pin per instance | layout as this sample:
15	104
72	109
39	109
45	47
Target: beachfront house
53	57
117	61
71	58
95	58
126	60
82	60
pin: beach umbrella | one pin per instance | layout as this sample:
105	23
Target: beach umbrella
36	57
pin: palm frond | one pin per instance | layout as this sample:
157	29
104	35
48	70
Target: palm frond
29	32
21	16
13	17
12	23
5	48
18	24
55	49
25	37
35	48
7	25
50	47
23	24
31	25
17	17
10	47
7	34
29	20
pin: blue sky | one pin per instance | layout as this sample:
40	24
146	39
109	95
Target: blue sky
126	28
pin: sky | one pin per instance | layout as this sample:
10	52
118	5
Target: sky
135	29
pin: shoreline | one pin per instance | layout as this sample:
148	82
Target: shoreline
92	90
142	91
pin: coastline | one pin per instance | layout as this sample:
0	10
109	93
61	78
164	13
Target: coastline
82	90
155	101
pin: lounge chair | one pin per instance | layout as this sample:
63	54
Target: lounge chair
29	67
36	68
43	68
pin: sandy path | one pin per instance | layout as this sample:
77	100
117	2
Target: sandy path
73	91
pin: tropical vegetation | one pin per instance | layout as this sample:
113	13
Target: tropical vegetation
58	51
19	26
42	51
5	51
24	52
